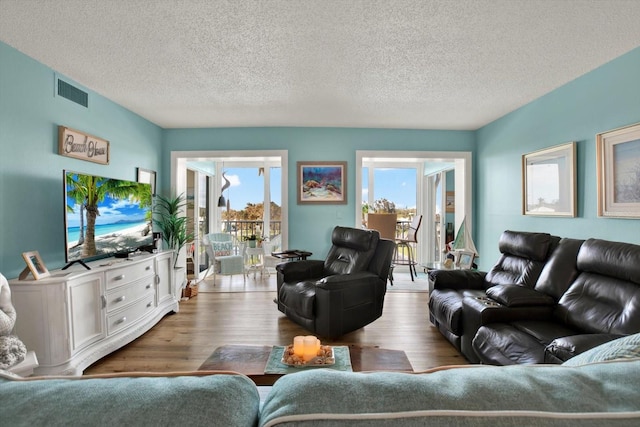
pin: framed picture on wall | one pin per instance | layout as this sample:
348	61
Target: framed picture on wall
549	181
618	169
450	202
322	183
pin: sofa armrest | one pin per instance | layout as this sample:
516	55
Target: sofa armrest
458	279
564	348
297	271
339	281
518	296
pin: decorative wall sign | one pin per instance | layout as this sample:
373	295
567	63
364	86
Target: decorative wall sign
80	145
322	182
549	181
618	169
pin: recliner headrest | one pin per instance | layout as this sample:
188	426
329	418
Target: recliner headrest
354	238
613	259
534	246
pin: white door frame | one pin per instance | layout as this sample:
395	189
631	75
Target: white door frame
179	161
462	161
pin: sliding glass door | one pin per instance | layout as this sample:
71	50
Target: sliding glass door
416	183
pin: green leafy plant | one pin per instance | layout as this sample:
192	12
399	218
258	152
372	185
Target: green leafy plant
172	226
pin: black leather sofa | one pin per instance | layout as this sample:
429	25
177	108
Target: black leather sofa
342	293
586	293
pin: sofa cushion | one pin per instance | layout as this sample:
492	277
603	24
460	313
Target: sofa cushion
534	246
519	342
622	348
613	259
502	344
522	259
200	398
560	270
222	248
600	304
463	396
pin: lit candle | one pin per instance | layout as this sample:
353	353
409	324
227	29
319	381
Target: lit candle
298	346
310	350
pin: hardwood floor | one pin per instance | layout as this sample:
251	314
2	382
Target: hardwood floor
182	341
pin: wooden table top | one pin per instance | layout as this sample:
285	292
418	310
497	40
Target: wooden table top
251	361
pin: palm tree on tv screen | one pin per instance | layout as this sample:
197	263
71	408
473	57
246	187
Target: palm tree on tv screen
90	191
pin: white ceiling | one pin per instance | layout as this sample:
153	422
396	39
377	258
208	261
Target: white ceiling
430	64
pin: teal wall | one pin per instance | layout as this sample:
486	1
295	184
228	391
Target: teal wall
601	100
31	190
310	226
31	216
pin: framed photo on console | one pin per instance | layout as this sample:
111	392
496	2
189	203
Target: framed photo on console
549	181
35	265
464	259
618	167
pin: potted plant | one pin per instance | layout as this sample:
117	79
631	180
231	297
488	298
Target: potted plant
254	241
172	226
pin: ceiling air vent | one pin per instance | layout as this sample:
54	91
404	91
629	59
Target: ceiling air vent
72	93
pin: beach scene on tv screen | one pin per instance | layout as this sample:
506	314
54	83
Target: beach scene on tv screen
105	216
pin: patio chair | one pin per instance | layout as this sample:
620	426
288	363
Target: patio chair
226	255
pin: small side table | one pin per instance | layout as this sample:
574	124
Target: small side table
255	261
292	255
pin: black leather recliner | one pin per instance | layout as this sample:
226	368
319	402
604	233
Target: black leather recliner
523	255
342	293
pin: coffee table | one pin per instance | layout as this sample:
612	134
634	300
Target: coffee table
251	360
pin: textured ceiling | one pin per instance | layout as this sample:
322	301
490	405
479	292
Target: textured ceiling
430	64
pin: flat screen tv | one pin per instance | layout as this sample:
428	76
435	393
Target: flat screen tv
105	217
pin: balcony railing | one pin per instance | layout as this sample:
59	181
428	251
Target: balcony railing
242	229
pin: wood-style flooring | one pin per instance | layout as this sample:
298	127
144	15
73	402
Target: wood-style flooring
182	341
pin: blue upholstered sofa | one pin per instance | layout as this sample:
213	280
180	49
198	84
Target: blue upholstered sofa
590	394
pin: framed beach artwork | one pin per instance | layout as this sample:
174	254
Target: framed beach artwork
322	182
35	265
618	169
549	181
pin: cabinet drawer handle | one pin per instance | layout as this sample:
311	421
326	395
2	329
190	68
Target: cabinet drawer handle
120	299
120	277
148	268
148	286
121	320
150	304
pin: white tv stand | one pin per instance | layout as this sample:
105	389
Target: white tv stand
75	317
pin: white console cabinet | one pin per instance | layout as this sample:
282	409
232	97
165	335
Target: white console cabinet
77	316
